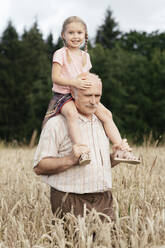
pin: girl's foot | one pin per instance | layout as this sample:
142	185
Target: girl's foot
123	153
84	159
126	157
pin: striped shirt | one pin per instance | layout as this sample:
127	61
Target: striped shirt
55	142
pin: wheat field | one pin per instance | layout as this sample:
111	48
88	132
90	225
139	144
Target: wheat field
139	202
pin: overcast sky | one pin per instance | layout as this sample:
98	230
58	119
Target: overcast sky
140	15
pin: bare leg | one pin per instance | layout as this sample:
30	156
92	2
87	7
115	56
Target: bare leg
105	116
121	149
70	112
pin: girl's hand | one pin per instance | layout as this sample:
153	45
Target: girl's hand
82	83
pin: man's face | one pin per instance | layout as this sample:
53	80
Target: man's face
87	100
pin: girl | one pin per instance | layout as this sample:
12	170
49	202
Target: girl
69	62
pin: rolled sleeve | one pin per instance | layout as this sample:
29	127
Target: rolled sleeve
58	57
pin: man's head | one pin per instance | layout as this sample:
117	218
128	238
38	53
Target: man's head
87	100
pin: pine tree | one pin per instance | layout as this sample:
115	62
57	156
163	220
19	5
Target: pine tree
37	78
25	83
51	47
108	33
10	83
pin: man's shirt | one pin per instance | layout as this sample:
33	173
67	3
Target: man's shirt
55	142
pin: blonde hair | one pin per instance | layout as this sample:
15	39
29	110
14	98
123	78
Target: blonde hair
78	20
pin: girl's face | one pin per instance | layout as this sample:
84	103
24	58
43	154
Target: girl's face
74	34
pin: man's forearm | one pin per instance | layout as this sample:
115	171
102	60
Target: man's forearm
53	165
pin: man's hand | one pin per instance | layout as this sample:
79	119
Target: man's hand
113	162
77	150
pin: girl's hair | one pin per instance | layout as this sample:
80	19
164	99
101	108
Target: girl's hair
79	20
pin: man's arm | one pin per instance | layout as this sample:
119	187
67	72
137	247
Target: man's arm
54	165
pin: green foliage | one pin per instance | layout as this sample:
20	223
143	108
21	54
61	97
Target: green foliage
24	83
142	42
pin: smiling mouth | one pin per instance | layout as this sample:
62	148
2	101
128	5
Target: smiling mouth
75	41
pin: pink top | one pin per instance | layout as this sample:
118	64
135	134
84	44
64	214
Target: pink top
69	70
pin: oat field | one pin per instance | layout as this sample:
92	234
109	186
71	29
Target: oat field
139	201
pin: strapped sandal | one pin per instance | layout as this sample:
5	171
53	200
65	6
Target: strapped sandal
126	157
84	159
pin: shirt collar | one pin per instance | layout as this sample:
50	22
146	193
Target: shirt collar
85	119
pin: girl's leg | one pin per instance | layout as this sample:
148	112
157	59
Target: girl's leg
105	116
121	149
70	112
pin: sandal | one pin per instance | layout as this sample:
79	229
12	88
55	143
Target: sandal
84	159
126	157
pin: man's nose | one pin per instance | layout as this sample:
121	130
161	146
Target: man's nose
93	100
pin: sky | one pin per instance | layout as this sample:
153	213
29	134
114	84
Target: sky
139	15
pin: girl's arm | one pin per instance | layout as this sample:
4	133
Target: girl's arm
56	76
79	82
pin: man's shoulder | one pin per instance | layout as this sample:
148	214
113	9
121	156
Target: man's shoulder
57	121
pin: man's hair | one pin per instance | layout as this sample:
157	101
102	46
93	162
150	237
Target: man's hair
93	78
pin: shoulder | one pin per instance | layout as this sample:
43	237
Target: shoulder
60	51
55	129
56	123
59	55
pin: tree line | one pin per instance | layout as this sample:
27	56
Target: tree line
131	66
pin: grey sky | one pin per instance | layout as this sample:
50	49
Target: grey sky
140	15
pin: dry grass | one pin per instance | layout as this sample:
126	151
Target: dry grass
139	197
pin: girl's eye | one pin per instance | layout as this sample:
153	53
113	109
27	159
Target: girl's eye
70	32
80	32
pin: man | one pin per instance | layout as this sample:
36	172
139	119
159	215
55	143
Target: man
73	185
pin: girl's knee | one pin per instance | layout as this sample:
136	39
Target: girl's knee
71	114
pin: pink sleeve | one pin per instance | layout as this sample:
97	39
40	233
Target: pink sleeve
58	57
89	65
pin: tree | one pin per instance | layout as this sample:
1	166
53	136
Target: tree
25	83
36	77
157	93
51	47
108	33
10	83
125	89
142	42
